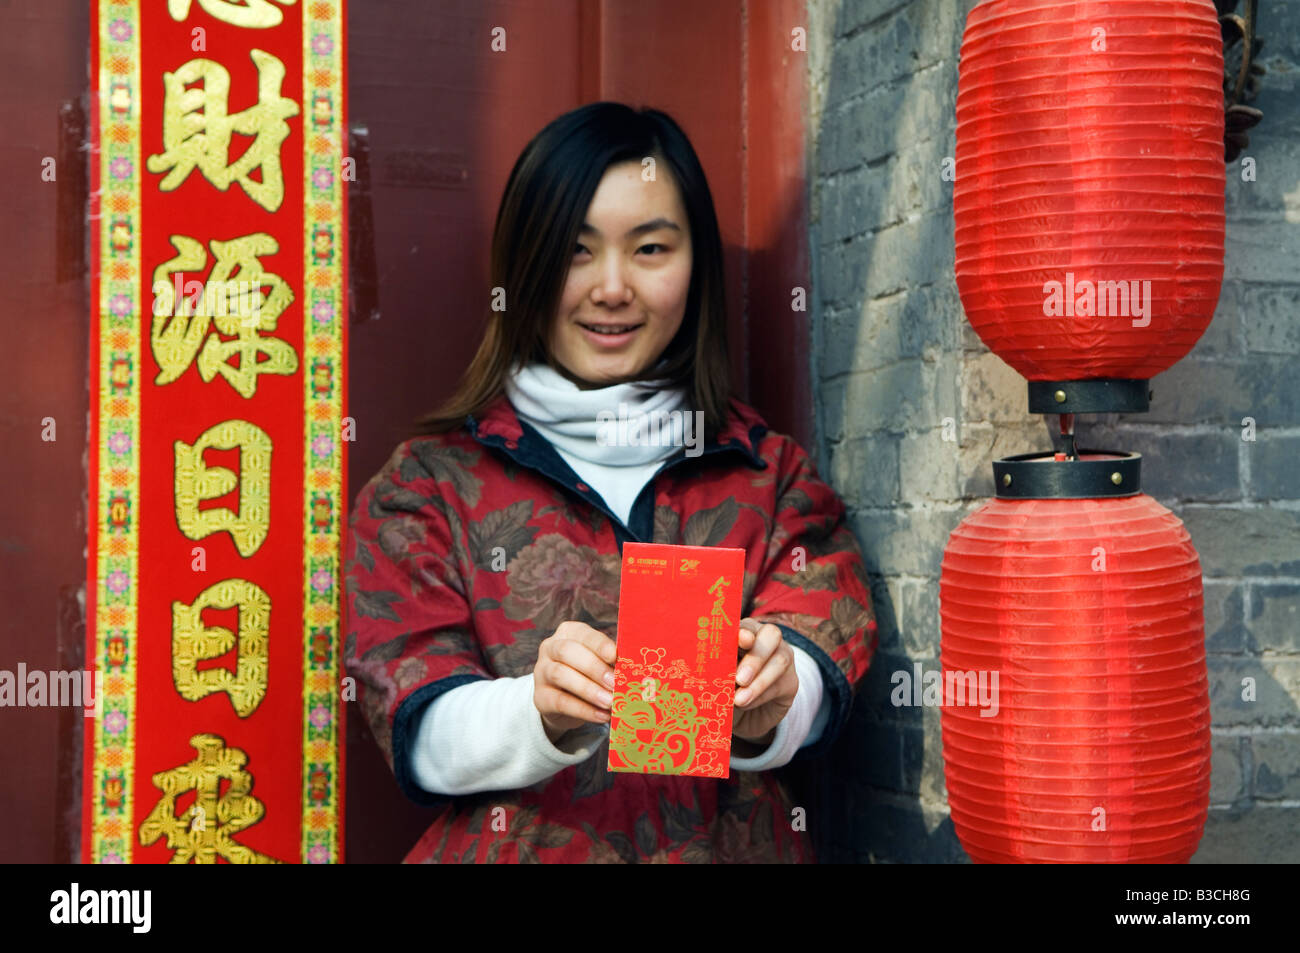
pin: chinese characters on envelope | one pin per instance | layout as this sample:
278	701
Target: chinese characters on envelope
675	679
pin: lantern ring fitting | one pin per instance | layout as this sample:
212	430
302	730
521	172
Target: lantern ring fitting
1111	395
1093	474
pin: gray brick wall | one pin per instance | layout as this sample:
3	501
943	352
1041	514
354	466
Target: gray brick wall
893	356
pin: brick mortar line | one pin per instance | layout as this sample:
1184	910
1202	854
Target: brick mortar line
852	372
828	180
1198	430
917	507
1243	506
1245	473
1243	731
880	88
1265	656
911	218
920	286
859	28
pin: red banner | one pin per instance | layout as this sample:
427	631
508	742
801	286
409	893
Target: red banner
218	436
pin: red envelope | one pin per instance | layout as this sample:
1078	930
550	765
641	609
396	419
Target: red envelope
675	679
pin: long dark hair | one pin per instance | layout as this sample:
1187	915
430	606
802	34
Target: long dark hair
542	210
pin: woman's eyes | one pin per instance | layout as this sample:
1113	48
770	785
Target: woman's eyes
579	248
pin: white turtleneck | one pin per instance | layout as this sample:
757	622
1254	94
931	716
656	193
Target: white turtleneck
488	735
584	428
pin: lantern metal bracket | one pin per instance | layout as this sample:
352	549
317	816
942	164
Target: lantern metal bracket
1045	476
1241	67
1067	436
1115	395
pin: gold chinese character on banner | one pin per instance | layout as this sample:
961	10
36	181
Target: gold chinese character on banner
252	13
207	832
237	306
196	482
192	642
196	129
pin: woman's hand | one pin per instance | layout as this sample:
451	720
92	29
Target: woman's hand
767	679
573	681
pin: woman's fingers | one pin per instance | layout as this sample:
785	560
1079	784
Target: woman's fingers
766	640
561	691
777	691
587	653
762	666
577	683
768	680
562	701
599	643
573	679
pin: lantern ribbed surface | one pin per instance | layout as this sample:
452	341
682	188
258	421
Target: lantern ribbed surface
1080	165
1091	614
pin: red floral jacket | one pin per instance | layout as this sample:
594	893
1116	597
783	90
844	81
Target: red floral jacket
430	608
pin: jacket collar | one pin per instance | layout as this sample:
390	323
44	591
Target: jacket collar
743	430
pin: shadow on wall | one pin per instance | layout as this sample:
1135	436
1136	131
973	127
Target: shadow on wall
888	347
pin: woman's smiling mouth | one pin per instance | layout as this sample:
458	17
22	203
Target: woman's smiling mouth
610	335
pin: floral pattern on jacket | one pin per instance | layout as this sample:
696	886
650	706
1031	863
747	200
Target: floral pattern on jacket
467	549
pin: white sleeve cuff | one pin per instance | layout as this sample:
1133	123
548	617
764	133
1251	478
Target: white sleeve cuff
803	723
488	736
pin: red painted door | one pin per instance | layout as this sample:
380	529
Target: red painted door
447	117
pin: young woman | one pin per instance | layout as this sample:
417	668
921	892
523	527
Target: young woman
483	574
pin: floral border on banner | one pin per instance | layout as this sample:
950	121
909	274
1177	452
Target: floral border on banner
117	555
323	379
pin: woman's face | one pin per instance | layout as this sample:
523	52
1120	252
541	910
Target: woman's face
630	273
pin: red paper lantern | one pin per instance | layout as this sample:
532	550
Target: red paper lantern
1090	155
1090	613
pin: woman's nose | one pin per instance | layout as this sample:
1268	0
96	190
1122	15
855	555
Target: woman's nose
612	287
